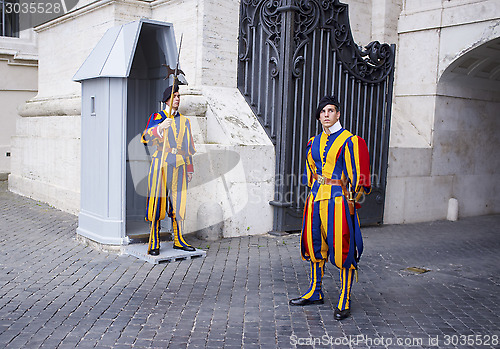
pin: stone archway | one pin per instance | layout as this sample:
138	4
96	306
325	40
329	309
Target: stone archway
467	120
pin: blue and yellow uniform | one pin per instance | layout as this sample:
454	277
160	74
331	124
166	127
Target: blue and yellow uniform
337	169
169	180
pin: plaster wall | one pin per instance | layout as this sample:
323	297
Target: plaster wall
234	166
424	173
18	83
188	23
73	37
50	122
466	145
43	165
222	120
360	18
384	17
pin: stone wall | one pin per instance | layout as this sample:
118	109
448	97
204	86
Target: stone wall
51	120
18	83
225	124
435	150
430	36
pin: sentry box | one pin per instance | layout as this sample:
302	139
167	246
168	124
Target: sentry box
122	84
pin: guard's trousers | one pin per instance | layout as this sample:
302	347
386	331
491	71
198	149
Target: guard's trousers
314	292
325	234
168	182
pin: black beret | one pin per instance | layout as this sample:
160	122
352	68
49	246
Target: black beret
325	101
168	92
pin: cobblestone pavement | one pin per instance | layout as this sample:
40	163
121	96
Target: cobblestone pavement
58	293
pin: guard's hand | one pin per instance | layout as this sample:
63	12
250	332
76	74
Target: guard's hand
164	124
190	177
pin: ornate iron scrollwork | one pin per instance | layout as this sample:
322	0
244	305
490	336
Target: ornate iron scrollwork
255	14
271	20
307	16
371	64
291	53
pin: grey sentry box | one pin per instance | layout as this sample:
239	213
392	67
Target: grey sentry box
122	84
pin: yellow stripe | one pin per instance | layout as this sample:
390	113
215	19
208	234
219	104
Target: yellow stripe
149	194
151	237
323	212
342	287
314	279
332	153
348	286
163	196
356	159
153	193
348	162
181	238
341	295
182	123
310	247
173	192
312	164
322	144
338	230
182	207
321	266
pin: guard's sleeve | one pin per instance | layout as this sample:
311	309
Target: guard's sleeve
357	165
150	135
310	166
189	142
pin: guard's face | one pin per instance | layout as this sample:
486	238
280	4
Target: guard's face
329	115
176	101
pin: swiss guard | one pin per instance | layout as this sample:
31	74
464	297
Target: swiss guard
168	182
337	170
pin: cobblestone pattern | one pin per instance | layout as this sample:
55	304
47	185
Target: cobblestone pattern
57	293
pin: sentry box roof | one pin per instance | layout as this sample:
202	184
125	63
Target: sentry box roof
114	53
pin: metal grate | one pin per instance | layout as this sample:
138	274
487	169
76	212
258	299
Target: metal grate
292	53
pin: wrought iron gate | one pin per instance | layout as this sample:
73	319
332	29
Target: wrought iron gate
292	53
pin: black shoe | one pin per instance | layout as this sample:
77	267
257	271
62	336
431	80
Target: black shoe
185	248
341	314
154	252
304	301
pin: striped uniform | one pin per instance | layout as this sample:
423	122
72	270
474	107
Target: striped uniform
169	180
329	230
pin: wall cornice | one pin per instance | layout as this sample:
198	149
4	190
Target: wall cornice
52	106
90	8
448	16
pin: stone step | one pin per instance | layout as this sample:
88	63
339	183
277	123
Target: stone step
167	253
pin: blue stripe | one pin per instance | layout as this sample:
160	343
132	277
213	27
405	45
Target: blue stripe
350	260
316	231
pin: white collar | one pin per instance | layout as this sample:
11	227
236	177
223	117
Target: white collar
335	127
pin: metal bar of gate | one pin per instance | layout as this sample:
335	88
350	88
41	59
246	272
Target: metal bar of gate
285	94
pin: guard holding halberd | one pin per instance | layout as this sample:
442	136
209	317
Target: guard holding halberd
170	171
338	172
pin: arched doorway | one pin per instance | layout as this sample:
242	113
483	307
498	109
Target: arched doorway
467	120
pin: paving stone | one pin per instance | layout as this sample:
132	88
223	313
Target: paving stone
56	292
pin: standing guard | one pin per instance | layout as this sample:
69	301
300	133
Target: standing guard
171	170
338	172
